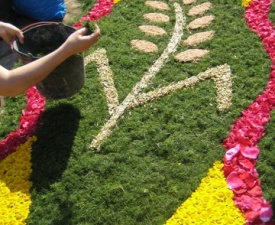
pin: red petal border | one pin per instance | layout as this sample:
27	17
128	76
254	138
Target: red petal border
242	143
28	123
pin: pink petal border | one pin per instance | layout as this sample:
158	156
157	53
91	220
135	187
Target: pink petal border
28	123
242	143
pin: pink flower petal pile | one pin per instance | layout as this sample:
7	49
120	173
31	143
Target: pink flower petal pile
101	8
29	121
242	144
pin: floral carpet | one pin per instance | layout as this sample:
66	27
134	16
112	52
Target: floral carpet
231	192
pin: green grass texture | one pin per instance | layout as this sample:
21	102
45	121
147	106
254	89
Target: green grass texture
157	153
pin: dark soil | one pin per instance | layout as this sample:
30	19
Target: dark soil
43	39
90	28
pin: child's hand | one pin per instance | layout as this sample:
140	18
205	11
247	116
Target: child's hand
8	32
79	42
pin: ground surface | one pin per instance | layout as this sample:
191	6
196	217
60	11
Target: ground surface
73	9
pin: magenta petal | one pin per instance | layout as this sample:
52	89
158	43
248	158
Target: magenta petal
232	152
233	181
266	214
250	152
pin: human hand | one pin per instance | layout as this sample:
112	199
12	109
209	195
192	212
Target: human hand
79	42
8	32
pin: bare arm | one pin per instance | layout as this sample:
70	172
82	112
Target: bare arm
14	82
8	32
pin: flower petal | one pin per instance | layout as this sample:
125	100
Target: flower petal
250	152
232	152
266	213
255	191
233	181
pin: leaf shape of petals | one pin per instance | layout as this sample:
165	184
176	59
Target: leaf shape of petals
201	22
157	5
144	46
191	55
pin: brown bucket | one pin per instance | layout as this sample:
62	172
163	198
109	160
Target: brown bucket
41	39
